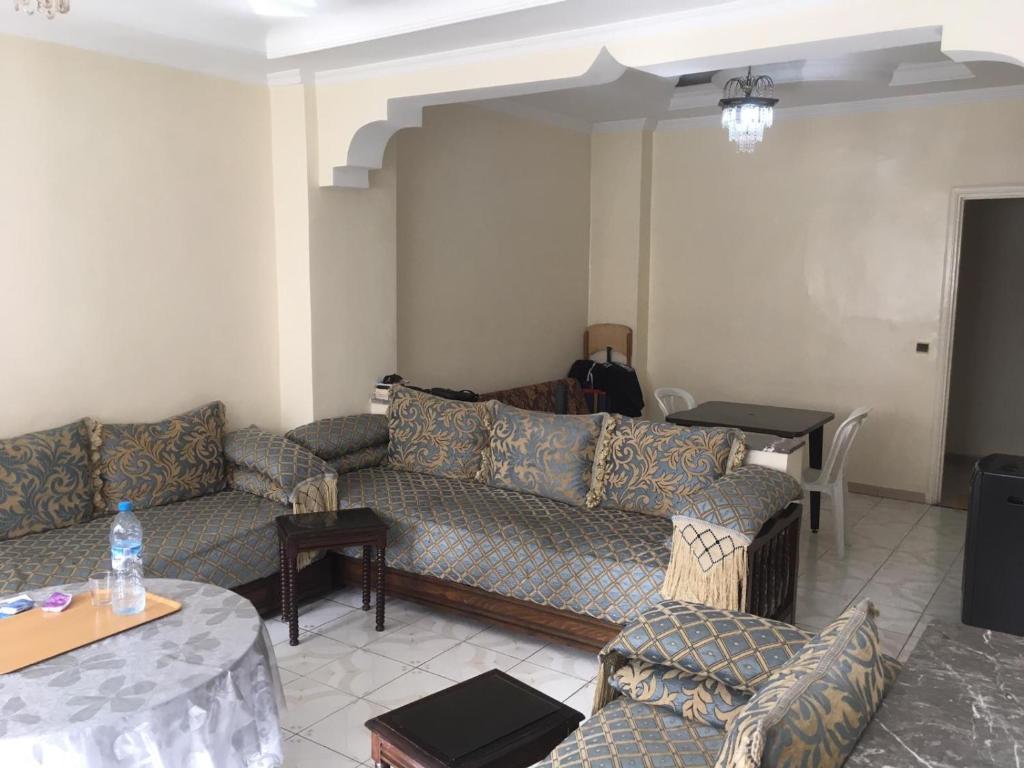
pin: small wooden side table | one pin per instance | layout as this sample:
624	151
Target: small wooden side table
330	530
489	721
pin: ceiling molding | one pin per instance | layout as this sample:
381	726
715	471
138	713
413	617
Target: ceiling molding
285	77
534	114
695	97
930	72
887	104
625	126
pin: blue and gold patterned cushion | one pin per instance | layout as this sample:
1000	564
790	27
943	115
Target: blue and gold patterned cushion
366	457
436	436
172	460
702	700
542	453
256	483
811	713
284	463
46	480
732	647
742	501
644	466
341	436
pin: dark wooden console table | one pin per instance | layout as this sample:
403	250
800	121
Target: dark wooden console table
330	530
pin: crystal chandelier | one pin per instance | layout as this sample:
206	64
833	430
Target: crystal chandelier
50	7
748	107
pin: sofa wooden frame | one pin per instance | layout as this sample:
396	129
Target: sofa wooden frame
773	561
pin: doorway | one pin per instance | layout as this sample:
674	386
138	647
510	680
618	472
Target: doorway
985	406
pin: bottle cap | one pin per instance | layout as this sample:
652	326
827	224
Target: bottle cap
124	506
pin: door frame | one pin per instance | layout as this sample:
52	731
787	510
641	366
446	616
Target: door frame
947	315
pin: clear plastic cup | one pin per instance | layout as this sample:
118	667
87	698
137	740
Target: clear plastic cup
99	588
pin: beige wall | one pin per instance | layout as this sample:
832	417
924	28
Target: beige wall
988	355
804	274
493	219
136	241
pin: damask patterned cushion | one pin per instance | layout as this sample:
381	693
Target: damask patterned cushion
367	457
742	501
811	713
632	734
436	436
699	699
644	466
732	647
256	483
543	454
45	480
333	438
283	462
172	460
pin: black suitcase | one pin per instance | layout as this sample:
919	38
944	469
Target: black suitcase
993	583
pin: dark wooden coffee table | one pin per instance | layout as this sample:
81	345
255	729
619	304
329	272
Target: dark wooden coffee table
329	530
491	720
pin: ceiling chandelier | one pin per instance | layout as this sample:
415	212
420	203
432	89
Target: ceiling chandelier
50	7
748	106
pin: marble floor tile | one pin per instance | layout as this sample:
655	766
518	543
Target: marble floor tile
815	610
312	653
892	642
300	752
345	731
583	700
313	615
451	625
411	645
581	664
357	628
896	620
409	687
859	552
351	596
557	685
507	641
871	534
361	672
406	611
286	675
908	594
466	660
309	701
904	566
277	630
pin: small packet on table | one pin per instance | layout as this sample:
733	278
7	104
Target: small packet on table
57	602
16	605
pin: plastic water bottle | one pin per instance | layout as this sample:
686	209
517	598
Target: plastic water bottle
128	589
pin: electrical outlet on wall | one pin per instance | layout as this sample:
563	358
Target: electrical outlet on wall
923	347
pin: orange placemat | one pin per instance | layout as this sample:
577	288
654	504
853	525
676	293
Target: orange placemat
36	635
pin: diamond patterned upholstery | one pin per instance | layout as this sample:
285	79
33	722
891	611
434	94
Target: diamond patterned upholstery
630	734
603	563
735	648
333	438
227	539
286	463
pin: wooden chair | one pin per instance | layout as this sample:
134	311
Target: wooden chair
597	338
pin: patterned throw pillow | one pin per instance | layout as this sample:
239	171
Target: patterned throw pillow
643	466
337	437
542	453
361	459
435	436
701	700
276	458
256	483
734	648
811	713
172	460
45	480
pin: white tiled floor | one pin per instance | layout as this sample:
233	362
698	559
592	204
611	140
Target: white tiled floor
906	557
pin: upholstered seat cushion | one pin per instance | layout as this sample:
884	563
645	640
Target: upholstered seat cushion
632	734
227	539
46	480
285	463
605	563
333	438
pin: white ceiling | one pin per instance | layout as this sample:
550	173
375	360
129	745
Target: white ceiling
249	38
906	71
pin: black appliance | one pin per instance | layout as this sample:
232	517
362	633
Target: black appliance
993	583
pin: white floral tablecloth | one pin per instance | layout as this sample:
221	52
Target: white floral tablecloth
197	689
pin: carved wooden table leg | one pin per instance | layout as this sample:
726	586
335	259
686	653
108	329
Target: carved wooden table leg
293	609
366	577
282	580
380	588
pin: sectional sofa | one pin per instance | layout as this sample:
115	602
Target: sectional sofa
207	501
500	512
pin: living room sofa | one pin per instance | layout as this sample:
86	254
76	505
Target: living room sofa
684	684
206	500
529	554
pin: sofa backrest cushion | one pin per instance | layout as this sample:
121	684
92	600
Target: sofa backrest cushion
542	453
46	480
735	648
436	436
287	464
171	460
814	709
645	466
702	700
333	438
366	457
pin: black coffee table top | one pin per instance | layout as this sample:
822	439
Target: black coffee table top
766	419
474	722
318	523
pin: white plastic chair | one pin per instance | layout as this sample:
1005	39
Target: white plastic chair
673	399
831	478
